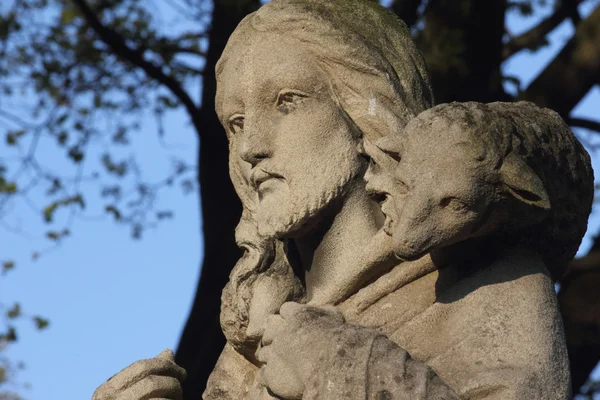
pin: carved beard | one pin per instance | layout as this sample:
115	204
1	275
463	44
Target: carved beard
284	215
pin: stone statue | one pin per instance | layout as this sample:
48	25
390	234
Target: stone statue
319	306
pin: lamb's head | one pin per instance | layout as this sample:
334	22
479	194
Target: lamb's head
454	180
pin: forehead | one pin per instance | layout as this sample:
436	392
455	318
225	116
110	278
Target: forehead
267	62
441	144
441	134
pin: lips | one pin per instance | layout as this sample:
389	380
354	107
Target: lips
260	176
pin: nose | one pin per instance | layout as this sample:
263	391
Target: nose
253	145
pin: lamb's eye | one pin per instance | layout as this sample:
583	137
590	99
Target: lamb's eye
454	204
395	155
236	124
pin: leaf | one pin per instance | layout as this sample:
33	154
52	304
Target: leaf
75	154
56	236
14	312
7	266
53	236
56	186
13	137
115	168
114	211
10	336
62	119
164	215
62	138
111	191
48	211
136	231
188	186
120	137
41	323
8	187
78	199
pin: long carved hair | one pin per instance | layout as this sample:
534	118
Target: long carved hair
378	78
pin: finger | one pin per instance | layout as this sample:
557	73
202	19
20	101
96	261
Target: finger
290	309
273	327
143	368
281	380
263	354
166	354
152	387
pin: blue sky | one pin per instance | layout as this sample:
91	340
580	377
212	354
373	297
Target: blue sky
112	300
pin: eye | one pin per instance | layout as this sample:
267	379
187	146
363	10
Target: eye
454	204
236	124
391	146
287	100
395	155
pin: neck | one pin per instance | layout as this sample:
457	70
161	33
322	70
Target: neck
344	253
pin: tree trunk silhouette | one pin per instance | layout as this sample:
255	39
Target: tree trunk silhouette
202	340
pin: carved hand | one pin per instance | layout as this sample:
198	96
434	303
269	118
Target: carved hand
154	378
294	343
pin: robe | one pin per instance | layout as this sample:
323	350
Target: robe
419	332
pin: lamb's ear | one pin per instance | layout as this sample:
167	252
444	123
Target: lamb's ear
523	183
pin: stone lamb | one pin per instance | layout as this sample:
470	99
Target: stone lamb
513	172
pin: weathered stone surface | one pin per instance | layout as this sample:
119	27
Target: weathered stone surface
444	289
154	378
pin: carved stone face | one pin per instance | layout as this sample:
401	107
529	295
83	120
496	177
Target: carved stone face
291	140
438	193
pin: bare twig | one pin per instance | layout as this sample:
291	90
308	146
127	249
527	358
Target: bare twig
585	123
572	73
14	119
117	43
537	35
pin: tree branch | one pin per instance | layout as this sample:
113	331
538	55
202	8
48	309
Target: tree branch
584	123
14	119
536	36
573	71
117	43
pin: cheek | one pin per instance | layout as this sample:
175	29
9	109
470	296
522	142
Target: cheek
244	168
454	227
318	129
